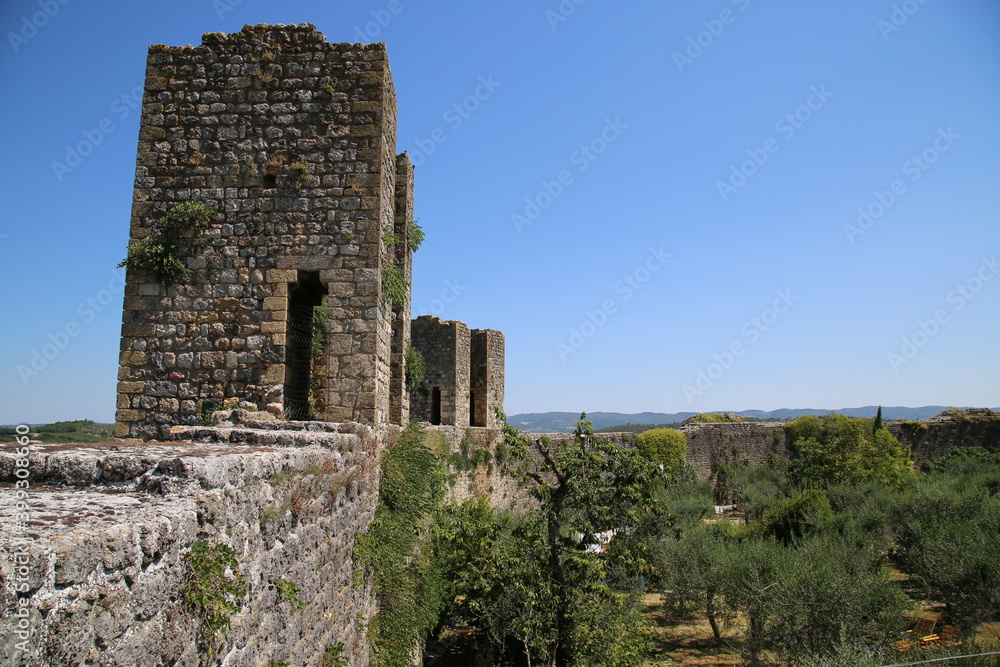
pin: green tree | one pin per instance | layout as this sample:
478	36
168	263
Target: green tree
839	449
691	566
666	446
835	589
805	601
495	560
585	597
950	542
792	518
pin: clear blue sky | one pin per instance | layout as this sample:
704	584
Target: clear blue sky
632	192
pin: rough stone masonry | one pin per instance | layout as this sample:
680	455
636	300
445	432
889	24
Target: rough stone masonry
292	140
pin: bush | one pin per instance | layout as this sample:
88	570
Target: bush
951	536
415	235
715	418
667	446
159	252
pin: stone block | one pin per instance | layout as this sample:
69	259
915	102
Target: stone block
341	289
282	276
133	358
137	330
274	374
212	359
309	263
339	344
275	303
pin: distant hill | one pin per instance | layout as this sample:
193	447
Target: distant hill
561	422
80	430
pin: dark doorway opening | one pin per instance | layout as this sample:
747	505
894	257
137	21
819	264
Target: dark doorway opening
477	406
303	297
436	406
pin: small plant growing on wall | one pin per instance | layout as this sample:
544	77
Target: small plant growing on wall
388	238
274	164
414	368
159	252
302	173
321	318
414	234
263	76
290	592
334	656
394	286
211	590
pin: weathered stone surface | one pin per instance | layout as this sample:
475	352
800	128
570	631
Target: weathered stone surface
751	442
443	395
242	123
486	378
103	550
936	437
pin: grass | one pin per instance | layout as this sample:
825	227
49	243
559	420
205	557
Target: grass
688	641
81	430
69	437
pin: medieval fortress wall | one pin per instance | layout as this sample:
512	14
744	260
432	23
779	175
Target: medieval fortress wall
294	310
100	568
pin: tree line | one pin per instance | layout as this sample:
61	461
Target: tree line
822	568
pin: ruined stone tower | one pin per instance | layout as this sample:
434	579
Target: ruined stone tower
464	377
295	294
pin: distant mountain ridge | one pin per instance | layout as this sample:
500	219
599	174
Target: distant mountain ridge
560	422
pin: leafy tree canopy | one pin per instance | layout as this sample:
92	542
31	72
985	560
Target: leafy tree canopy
663	445
838	449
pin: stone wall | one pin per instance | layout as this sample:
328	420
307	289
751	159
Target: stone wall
109	526
755	442
745	442
934	438
399	409
485	480
292	139
100	562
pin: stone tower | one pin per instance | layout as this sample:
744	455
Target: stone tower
443	395
464	377
486	377
294	294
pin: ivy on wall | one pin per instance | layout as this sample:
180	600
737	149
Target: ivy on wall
396	550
